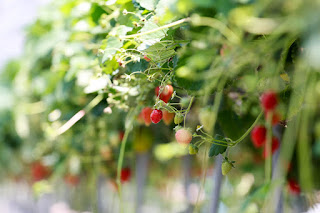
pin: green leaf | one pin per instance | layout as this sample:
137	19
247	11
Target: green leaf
161	52
121	30
137	66
151	38
216	149
189	84
111	66
113	45
148	4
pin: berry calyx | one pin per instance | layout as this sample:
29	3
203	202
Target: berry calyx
269	101
183	136
178	118
146	58
156	116
146	112
274	146
294	187
193	149
166	93
167	117
258	135
125	174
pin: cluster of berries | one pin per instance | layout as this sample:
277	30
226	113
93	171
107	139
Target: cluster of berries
149	115
269	102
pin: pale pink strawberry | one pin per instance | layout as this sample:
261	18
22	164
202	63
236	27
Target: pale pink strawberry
183	136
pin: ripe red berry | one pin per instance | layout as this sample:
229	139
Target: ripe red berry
274	146
156	116
183	136
146	112
269	100
140	118
125	174
146	58
121	135
39	171
294	187
72	179
157	90
258	135
167	117
166	93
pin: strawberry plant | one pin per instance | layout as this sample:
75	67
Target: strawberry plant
239	80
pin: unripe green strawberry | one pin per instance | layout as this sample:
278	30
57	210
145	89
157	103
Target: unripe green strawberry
226	167
185	102
178	118
206	118
193	149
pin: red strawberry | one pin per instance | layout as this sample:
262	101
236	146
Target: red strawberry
72	179
294	187
274	146
269	100
275	117
140	118
156	90
156	116
258	135
121	134
183	136
146	112
167	117
166	93
39	171
146	58
125	174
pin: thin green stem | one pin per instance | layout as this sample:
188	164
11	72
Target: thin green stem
216	24
158	29
268	162
249	130
187	111
120	162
